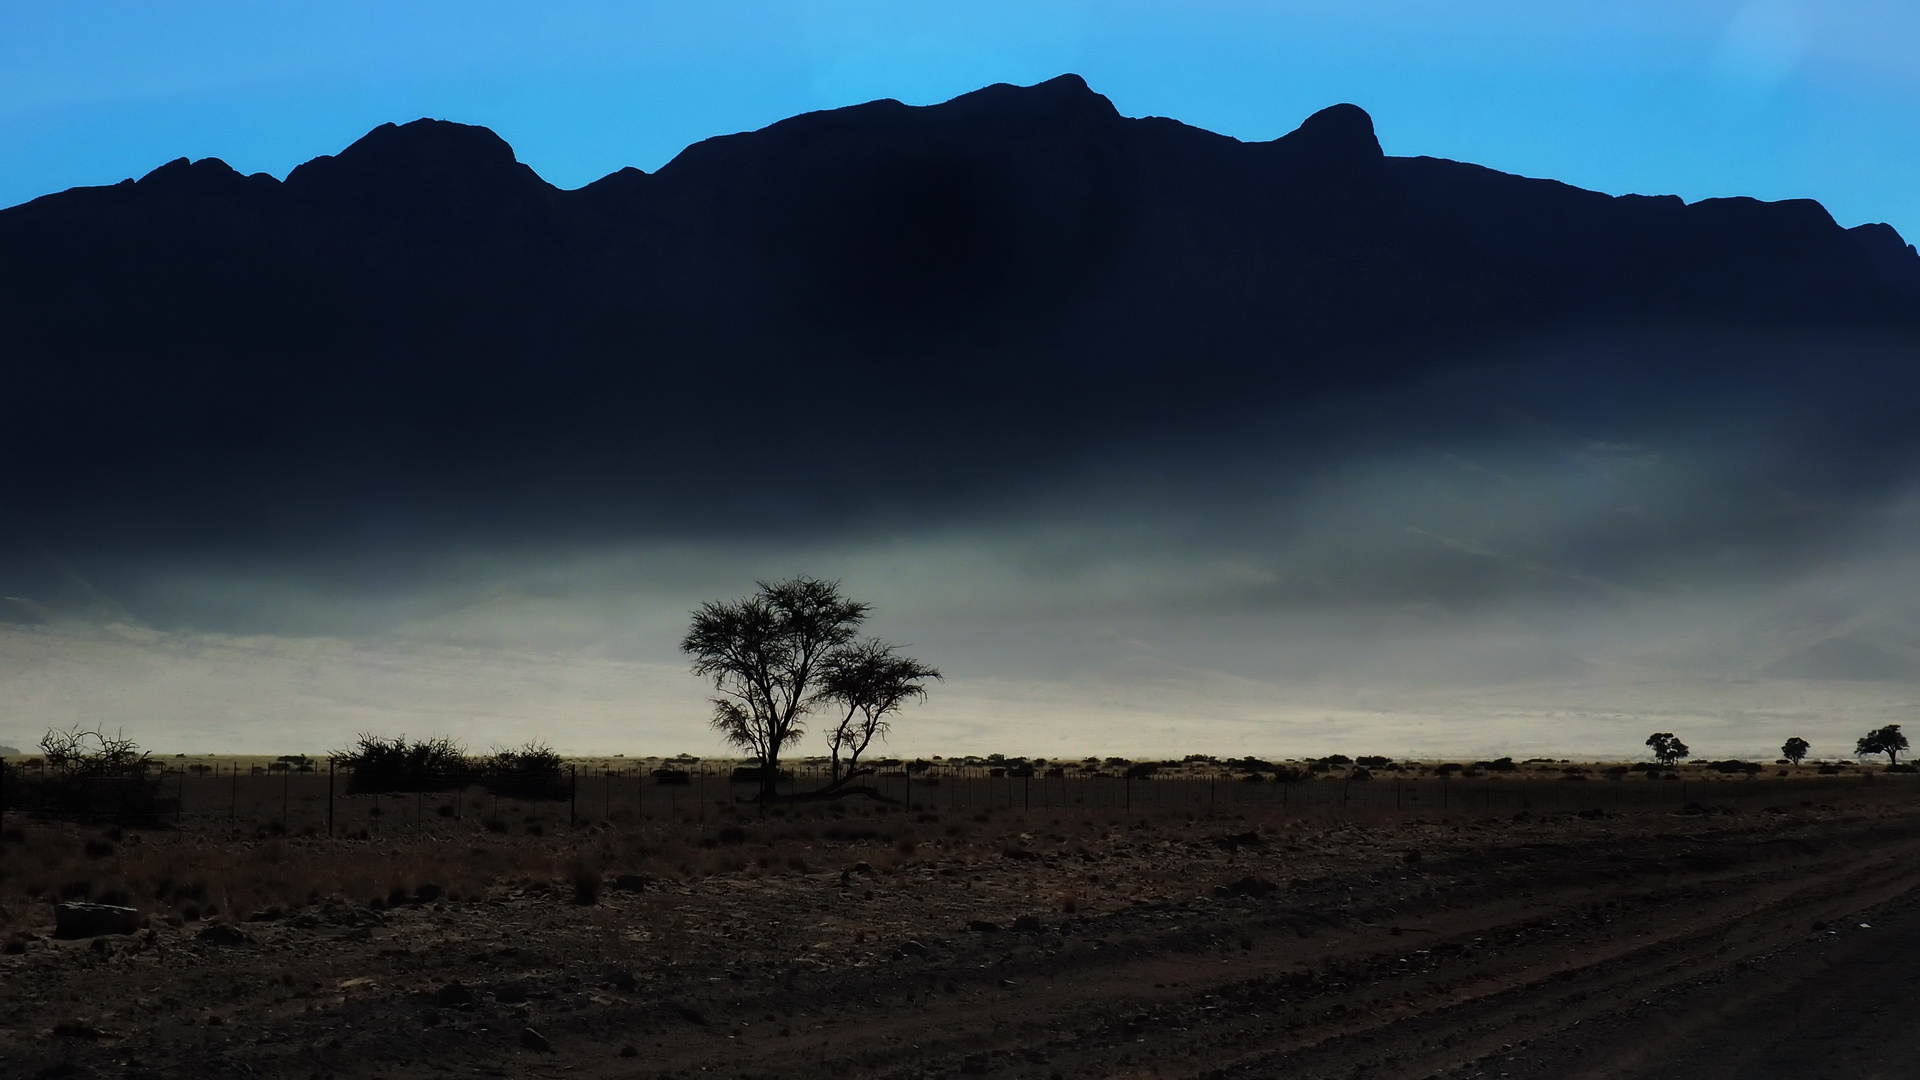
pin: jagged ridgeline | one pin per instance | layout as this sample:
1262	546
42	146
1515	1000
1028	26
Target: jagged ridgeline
980	287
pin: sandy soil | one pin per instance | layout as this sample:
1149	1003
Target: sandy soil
1025	945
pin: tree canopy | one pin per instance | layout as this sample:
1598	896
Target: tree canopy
1887	740
788	649
870	680
1666	747
1795	749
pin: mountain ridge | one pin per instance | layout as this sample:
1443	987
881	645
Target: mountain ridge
421	321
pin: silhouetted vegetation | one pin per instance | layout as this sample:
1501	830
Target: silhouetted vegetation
871	681
790	647
89	774
1887	740
380	764
1667	748
531	771
1795	749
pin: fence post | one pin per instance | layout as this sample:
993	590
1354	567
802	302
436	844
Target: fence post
233	799
286	783
573	792
329	798
3	791
180	795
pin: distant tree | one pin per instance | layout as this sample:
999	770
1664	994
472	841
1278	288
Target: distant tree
1667	748
871	681
1886	740
1795	749
766	655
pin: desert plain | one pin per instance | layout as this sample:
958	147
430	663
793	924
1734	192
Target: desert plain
1552	920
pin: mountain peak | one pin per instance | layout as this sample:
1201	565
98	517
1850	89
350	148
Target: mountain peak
1340	132
1061	96
435	154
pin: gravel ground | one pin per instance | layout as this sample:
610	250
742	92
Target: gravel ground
1018	945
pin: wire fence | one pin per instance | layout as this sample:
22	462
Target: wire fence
326	800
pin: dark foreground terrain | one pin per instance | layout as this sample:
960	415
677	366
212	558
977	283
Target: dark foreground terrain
853	943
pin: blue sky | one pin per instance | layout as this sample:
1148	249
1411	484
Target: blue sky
1771	98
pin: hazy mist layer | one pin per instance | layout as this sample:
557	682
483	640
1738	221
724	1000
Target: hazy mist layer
1551	551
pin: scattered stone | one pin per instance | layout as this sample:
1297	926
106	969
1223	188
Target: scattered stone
222	934
453	995
914	948
81	920
630	882
629	1050
1252	886
1028	924
1020	854
535	1041
76	1029
982	926
510	993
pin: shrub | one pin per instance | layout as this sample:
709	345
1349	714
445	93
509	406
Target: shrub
533	771
380	764
89	774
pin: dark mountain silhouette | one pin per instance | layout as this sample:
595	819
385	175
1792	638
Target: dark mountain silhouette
878	298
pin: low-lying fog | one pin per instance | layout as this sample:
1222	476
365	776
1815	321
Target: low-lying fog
1504	562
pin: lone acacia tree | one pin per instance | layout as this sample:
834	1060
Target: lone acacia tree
871	681
766	655
1667	747
1886	740
1795	749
